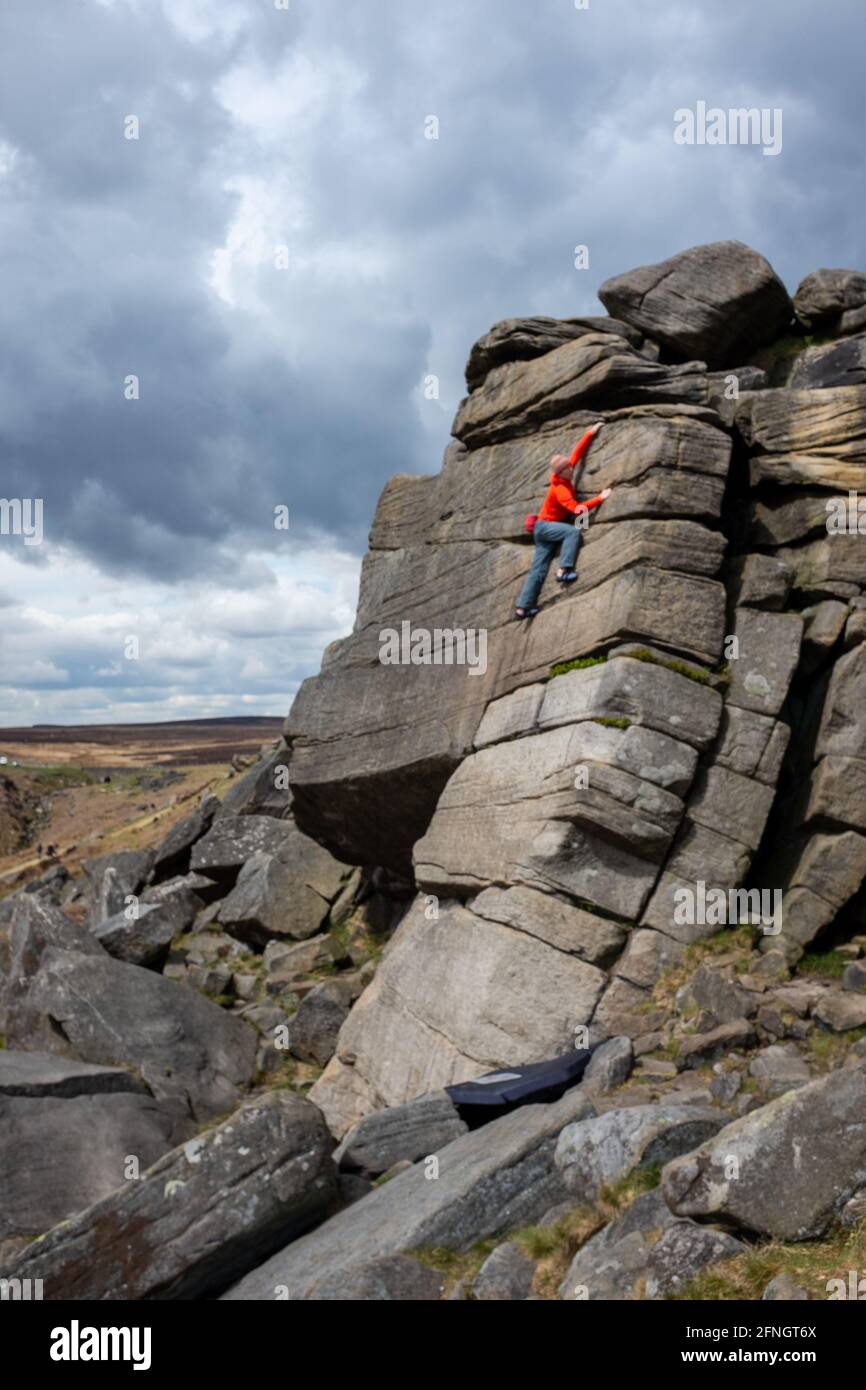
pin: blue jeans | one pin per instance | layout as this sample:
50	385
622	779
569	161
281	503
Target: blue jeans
549	536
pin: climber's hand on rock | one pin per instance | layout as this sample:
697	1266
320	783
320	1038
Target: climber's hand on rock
596	427
605	493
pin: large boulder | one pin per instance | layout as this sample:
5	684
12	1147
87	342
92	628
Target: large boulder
783	1170
58	1154
172	855
202	1215
145	937
718	302
231	841
282	892
493	1179
592	1153
192	1054
832	301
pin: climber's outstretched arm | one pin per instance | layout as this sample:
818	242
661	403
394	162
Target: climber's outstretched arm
583	444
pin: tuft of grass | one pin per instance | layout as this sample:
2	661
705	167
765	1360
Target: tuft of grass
811	1264
830	965
828	1049
64	775
623	1192
727	940
456	1265
622	723
579	664
691	673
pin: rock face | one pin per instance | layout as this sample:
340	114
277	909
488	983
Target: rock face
716	302
559	796
467	989
373	744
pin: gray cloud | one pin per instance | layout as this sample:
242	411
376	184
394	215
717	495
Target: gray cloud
260	128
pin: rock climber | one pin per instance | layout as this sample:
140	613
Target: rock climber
558	524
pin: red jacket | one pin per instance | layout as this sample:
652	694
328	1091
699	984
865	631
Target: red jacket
560	504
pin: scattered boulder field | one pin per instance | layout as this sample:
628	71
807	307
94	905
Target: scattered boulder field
638	826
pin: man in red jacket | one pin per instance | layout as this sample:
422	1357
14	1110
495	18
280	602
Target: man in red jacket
557	525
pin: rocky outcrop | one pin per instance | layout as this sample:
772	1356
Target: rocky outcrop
556	802
520	340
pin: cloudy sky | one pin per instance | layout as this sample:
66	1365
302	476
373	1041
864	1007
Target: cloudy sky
282	257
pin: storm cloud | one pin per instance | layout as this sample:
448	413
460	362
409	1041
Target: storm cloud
282	258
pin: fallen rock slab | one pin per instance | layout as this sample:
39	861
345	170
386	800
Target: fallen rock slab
495	1178
201	1216
412	1131
392	1279
282	892
37	1074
